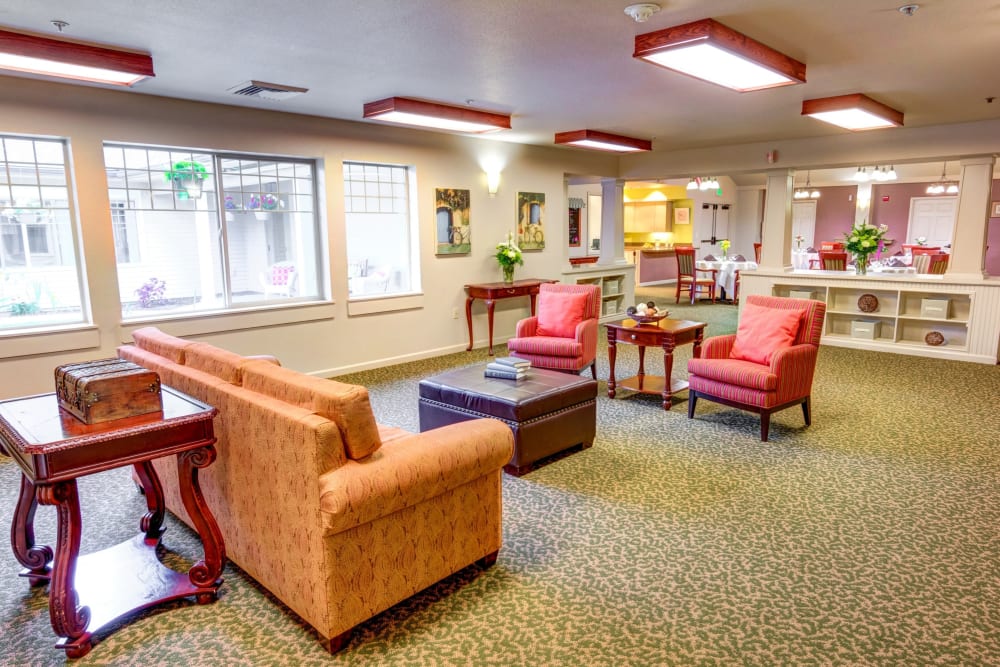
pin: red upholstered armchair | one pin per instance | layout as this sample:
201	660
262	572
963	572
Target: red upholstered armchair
767	365
562	335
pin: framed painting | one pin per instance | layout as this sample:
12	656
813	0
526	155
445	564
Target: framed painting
682	216
995	209
453	228
574	228
531	220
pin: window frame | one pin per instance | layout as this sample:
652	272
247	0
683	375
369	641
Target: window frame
238	313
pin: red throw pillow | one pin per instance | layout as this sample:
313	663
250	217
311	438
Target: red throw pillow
763	331
560	312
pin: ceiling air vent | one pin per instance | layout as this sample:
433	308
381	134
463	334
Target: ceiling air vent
269	91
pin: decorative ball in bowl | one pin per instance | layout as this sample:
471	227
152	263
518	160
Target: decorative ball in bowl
645	313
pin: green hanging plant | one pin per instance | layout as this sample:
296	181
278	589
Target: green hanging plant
188	177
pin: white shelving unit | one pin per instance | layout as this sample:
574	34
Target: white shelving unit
617	288
970	329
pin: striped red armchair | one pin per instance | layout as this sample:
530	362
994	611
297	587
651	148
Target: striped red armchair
767	365
562	335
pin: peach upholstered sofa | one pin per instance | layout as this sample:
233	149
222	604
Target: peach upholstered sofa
337	516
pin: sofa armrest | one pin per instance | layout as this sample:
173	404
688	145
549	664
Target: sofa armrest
526	327
717	347
412	469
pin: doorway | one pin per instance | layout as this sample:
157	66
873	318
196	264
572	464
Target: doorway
932	218
804	223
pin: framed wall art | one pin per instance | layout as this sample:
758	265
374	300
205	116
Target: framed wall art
682	216
995	209
531	220
453	225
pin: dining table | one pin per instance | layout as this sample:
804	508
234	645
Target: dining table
725	272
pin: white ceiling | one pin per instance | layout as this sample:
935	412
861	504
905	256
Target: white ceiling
555	65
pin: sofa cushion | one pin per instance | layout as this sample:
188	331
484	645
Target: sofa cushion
559	312
216	361
735	372
163	344
546	346
347	405
762	331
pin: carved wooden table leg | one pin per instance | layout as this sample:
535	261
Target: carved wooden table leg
22	537
468	319
668	369
642	365
612	354
68	619
152	521
490	305
205	573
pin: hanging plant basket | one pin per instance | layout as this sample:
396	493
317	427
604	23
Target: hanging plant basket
188	178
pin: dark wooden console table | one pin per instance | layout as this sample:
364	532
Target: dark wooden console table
666	334
53	449
490	292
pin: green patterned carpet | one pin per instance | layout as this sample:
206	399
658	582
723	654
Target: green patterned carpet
870	538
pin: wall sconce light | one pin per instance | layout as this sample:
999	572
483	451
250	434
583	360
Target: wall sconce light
408	111
603	141
493	182
852	112
46	56
708	50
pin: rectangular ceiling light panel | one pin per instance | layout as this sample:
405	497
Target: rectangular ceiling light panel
710	51
852	112
408	111
35	54
604	141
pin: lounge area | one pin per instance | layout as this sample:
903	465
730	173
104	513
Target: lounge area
488	334
669	541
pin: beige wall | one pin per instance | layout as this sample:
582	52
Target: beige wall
331	341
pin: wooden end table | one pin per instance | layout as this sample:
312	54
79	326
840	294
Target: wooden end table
666	334
491	292
53	449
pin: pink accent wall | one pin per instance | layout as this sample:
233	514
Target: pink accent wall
835	212
993	236
896	212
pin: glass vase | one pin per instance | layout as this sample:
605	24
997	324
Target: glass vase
508	273
861	265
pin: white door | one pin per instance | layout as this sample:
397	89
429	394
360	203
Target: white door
933	218
804	223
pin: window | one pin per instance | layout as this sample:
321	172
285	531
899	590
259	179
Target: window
197	231
382	242
40	282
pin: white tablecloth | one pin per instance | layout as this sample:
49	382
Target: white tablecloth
726	276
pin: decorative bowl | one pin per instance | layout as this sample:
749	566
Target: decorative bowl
867	303
649	319
934	338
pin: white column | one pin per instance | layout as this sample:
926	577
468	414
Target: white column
968	245
776	233
612	222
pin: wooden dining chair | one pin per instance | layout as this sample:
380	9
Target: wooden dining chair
925	250
833	261
831	246
938	263
687	275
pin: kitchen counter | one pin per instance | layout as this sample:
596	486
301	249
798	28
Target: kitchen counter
653	265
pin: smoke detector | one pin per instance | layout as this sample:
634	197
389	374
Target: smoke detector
275	92
908	10
642	11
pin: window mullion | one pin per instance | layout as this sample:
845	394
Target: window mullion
220	211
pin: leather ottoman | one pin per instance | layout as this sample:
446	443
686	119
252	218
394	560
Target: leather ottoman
548	411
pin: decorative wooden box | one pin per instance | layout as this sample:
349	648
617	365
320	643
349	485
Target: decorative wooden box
107	389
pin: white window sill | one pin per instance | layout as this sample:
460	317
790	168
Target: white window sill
198	324
49	341
384	303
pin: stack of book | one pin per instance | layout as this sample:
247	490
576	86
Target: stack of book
508	368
